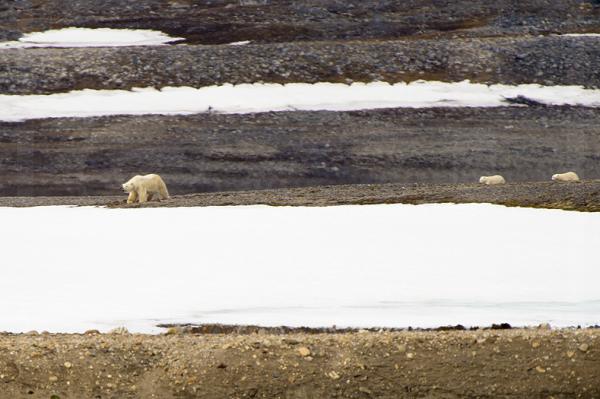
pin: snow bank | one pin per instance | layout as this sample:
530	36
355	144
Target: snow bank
86	37
243	42
580	34
71	269
264	97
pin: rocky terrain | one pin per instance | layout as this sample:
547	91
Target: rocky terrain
521	363
272	21
509	42
582	196
211	152
306	41
410	156
548	60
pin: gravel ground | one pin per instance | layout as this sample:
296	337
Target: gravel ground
584	196
211	152
545	60
309	41
268	21
518	363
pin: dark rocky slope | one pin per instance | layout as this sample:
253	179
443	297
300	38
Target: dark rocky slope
268	21
545	60
211	152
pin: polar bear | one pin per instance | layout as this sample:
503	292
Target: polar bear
568	176
492	180
143	188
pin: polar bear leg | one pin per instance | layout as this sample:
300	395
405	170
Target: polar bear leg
162	191
132	197
143	195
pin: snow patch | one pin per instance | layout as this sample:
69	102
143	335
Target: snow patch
71	269
87	37
240	43
580	35
265	97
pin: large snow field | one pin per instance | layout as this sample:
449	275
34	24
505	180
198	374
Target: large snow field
88	37
264	97
70	269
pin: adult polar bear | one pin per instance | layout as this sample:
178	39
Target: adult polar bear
143	188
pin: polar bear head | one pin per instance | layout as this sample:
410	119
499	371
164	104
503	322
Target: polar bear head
482	179
128	187
554	177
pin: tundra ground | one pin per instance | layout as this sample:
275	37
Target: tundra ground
518	363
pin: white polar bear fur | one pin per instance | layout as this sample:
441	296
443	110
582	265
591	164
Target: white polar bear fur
143	188
492	180
568	176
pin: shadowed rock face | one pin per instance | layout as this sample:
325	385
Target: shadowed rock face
267	21
210	152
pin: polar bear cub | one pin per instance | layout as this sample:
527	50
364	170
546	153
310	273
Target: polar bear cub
568	176
492	180
143	188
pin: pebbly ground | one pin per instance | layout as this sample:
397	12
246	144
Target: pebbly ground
271	21
517	363
548	60
336	41
212	152
584	196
